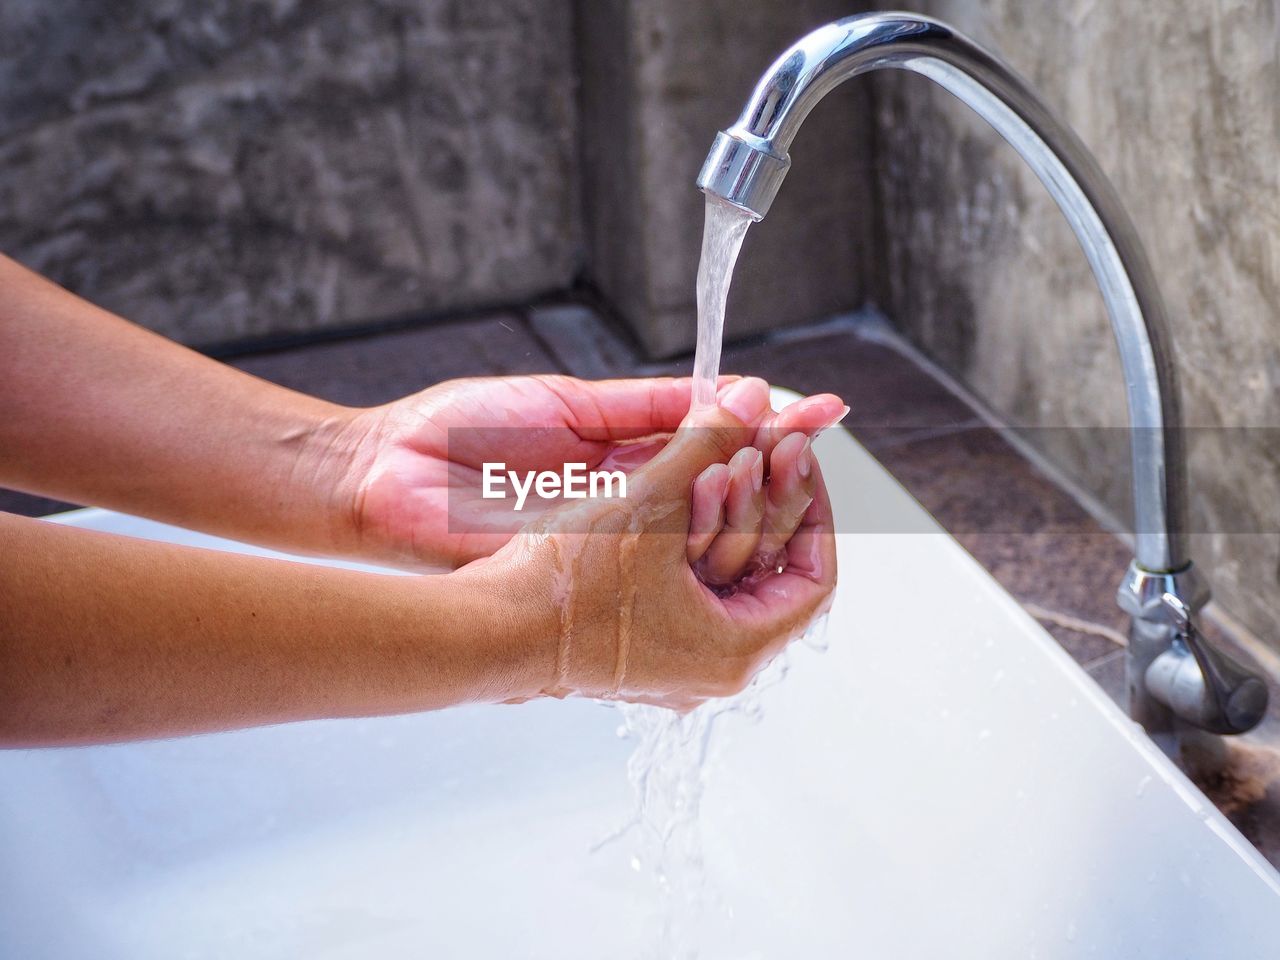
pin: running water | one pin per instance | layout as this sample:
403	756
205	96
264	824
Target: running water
668	768
723	231
668	772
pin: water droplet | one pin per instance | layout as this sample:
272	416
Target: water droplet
622	732
815	638
984	734
635	864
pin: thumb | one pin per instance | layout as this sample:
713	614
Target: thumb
708	435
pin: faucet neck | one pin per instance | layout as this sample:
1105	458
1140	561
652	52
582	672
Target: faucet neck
748	162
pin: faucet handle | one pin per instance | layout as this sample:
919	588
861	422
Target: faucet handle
1200	683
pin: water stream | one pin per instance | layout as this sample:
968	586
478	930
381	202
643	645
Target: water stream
668	768
723	231
668	771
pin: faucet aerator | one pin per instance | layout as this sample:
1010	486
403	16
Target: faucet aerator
742	173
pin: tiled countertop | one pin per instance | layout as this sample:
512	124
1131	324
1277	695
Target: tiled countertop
1060	563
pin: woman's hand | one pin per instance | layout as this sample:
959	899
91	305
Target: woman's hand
405	468
100	411
121	638
633	620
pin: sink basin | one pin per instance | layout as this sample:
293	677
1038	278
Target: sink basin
943	781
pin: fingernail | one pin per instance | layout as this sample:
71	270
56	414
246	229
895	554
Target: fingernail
746	399
804	459
844	412
757	472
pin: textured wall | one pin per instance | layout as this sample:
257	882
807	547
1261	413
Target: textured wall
233	168
1181	103
228	168
659	78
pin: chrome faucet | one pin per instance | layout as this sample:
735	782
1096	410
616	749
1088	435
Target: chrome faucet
1173	672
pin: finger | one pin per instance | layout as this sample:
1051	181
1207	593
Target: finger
709	435
810	569
790	491
707	510
626	409
737	543
782	606
809	415
811	552
747	399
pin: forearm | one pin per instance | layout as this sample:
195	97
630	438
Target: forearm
97	410
107	638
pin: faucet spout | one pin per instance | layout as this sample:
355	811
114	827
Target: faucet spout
748	162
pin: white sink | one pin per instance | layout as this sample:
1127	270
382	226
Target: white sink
942	782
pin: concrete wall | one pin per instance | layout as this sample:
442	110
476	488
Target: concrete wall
1181	103
228	168
223	170
659	78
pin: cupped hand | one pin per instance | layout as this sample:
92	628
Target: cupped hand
741	519
632	619
411	470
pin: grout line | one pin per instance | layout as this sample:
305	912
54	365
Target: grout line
872	327
527	325
921	433
850	323
1101	661
1068	622
286	341
857	323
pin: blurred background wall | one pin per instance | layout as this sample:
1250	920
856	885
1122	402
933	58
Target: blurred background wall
231	169
222	169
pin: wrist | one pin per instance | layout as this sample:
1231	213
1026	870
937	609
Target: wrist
324	480
514	601
347	458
